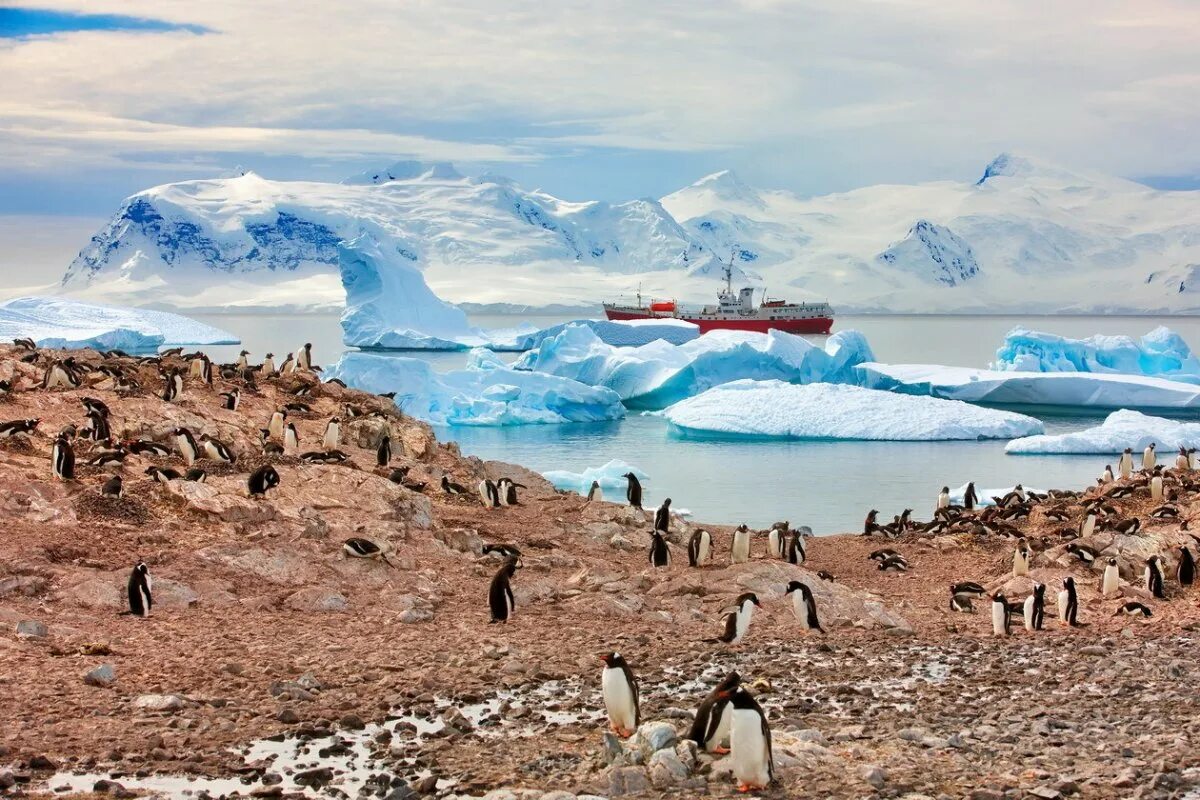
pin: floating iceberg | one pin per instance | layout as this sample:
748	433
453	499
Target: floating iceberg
658	374
1120	430
1161	353
611	477
492	395
985	495
61	323
618	333
1091	390
774	409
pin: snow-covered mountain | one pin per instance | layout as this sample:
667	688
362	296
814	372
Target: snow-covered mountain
1026	237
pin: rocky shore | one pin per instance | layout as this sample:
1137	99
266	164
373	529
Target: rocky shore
272	665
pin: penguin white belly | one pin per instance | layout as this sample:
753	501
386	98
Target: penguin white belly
1088	527
1029	613
1112	579
290	441
598	495
1181	462
773	541
1063	597
704	551
748	748
743	623
618	699
331	438
1156	490
943	501
1020	564
275	426
741	547
800	609
720	737
998	619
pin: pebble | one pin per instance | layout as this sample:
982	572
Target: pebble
31	629
287	716
159	702
103	676
874	775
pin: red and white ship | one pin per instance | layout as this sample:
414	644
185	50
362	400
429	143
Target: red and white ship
734	312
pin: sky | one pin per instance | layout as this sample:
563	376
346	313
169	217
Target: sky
612	100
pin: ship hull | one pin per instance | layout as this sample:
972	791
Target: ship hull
813	325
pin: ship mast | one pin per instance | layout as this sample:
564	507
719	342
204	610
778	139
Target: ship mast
729	274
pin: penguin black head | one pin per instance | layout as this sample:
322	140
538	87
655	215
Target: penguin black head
747	596
628	475
667	502
1068	582
740	698
794	586
1112	562
613	660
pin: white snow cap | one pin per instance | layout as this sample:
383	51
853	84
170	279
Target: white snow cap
407	171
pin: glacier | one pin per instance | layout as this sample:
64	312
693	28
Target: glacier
1082	389
659	374
1161	352
611	477
779	410
486	393
1121	429
59	322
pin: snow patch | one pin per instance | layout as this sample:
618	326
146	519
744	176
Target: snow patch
58	322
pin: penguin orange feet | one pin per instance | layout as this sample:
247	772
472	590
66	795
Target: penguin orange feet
721	751
743	787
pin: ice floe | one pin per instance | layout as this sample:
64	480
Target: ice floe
611	477
1161	352
1121	429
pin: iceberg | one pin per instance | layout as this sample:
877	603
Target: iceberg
488	394
1121	429
778	410
611	477
618	333
1083	389
58	322
985	495
658	374
1161	353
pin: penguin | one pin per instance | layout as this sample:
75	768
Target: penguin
216	450
509	496
242	363
500	595
961	603
804	605
450	487
1185	572
1154	577
18	427
776	541
58	374
186	445
503	550
1127	526
794	552
1001	617
1125	463
1087	525
288	366
62	459
1181	460
620	691
595	494
737	622
268	365
5	388
262	479
201	369
489	494
1084	553
1107	476
750	743
870	526
943	499
332	437
172	386
710	727
291	439
232	399
325	457
196	475
826	576
275	424
660	552
1134	609
740	550
1035	608
139	590
364	548
162	475
383	454
304	357
1068	603
1156	486
97	425
662	517
25	343
1191	454
112	488
896	563
1110	584
970	498
104	458
699	548
1149	459
633	492
1021	557
883	554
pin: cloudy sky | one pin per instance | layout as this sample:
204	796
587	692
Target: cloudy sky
611	99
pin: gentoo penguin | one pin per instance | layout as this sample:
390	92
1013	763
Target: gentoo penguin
943	498
1110	584
268	365
333	434
662	517
1087	525
140	586
1154	577
500	594
1084	553
620	691
18	427
172	386
804	605
895	563
1068	603
883	554
699	548
450	487
1149	459
198	475
97	425
710	728
304	357
275	425
216	450
502	490
162	475
1035	608
660	553
1021	557
1185	573
1134	609
1156	486
737	622
1125	463
1001	617
595	494
826	576
633	492
103	458
186	445
25	343
509	496
242	363
505	551
750	743
488	493
1107	476
288	366
383	454
740	551
57	374
62	459
794	550
112	487
870	526
777	541
232	399
325	457
1191	454
262	479
970	498
364	548
1181	460
961	603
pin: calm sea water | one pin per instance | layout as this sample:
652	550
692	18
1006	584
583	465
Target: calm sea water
826	485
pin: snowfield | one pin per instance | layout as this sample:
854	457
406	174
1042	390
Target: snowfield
1119	430
62	323
778	410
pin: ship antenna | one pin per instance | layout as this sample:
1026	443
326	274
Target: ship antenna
729	274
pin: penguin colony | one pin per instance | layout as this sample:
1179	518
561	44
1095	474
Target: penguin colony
729	719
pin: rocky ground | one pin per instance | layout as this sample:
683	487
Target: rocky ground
273	666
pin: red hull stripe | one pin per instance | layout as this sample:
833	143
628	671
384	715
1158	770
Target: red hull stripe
812	325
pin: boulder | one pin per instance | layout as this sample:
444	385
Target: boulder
159	702
31	629
316	599
209	499
103	676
